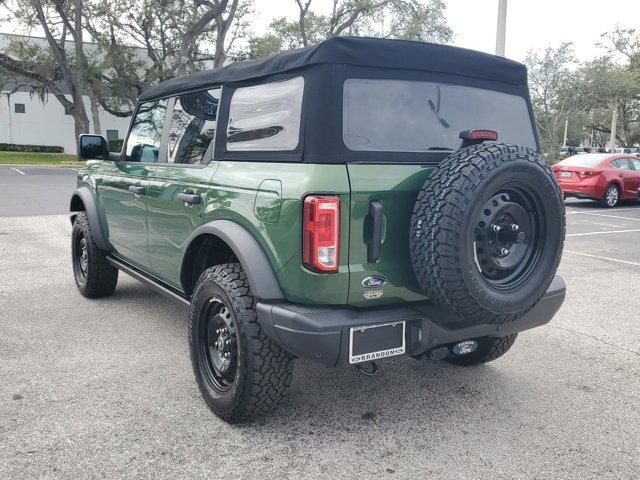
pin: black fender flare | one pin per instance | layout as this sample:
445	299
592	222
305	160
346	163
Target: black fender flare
250	254
91	209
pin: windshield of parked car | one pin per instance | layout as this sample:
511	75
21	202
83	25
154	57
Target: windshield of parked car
416	116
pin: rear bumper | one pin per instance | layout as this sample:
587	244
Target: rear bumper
588	189
322	333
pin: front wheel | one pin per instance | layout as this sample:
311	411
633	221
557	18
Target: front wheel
241	372
93	274
611	197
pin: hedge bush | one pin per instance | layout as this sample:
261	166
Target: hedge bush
115	145
12	147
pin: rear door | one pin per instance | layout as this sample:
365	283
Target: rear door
398	123
626	176
635	163
177	188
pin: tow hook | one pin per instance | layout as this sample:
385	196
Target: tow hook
369	369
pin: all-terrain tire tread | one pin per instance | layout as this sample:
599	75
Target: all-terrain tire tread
269	368
102	277
436	225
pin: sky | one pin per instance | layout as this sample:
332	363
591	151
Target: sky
531	24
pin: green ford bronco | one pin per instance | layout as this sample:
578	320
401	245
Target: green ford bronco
345	203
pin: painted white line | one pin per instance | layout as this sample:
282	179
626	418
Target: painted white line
603	258
19	171
606	225
612	216
575	210
601	233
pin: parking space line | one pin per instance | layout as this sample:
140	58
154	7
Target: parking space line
602	258
602	232
19	171
575	211
611	216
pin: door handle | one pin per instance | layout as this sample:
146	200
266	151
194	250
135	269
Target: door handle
190	198
375	244
136	190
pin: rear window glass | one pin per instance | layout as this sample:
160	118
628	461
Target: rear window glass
266	117
585	160
415	116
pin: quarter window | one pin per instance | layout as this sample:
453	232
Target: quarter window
193	126
143	144
266	117
622	164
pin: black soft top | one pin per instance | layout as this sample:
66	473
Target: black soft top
357	51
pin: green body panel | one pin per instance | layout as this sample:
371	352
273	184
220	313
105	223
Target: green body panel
396	187
151	231
247	193
171	222
123	215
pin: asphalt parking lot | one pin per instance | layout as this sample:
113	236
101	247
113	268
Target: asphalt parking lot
104	388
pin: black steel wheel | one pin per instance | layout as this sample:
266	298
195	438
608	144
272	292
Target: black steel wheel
80	256
487	232
508	236
93	274
241	373
219	350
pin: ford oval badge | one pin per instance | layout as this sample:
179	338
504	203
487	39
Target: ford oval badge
374	281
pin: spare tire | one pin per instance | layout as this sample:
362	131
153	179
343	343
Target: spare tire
487	232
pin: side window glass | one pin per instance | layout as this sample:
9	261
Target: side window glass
143	144
193	126
636	164
266	117
622	163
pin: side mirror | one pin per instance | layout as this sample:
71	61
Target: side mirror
93	147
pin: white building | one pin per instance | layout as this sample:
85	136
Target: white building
26	119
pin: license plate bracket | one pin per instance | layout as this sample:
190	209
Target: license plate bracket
374	342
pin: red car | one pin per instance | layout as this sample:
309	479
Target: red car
605	177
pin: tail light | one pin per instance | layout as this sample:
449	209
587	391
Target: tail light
321	233
590	173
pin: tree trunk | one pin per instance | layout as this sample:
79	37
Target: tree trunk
95	115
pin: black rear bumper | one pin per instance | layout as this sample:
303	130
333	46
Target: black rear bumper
322	333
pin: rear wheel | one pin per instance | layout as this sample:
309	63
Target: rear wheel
487	232
489	348
241	373
611	196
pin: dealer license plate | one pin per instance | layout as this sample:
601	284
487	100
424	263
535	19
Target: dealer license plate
374	342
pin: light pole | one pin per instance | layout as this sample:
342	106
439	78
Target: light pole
501	32
614	122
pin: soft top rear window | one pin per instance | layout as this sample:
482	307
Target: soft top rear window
418	116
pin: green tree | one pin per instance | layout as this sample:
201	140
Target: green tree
552	83
137	43
407	19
